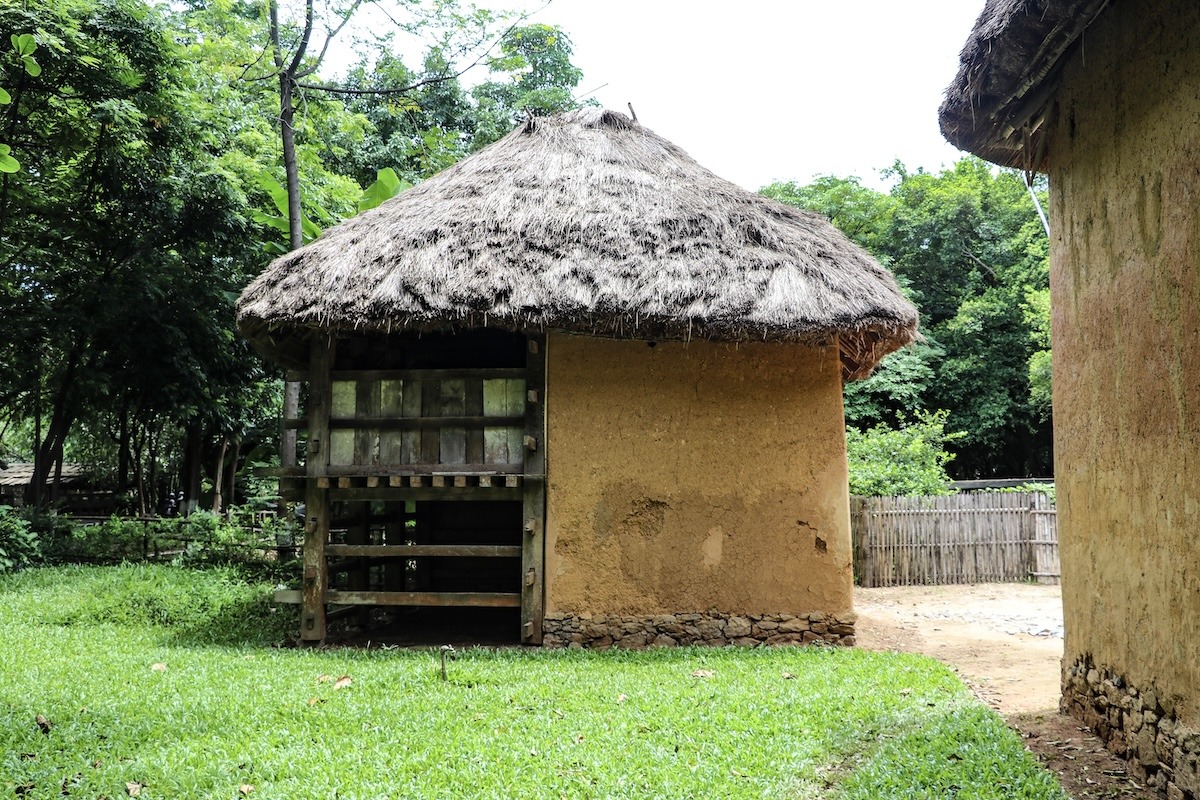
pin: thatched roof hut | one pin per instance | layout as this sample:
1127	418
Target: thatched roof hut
1008	69
585	223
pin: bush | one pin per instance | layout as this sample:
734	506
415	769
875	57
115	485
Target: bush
19	544
909	460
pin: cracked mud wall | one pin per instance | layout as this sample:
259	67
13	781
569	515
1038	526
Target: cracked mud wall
695	477
1125	198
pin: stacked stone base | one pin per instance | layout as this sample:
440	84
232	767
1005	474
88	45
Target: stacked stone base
1138	725
714	629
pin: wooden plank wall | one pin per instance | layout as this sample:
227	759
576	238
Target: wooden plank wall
975	537
451	418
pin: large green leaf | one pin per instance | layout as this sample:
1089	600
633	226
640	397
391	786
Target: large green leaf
5	97
386	186
8	163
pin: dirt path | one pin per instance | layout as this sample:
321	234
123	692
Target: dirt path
1005	640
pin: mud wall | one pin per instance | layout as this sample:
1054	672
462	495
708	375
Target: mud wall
1125	203
695	477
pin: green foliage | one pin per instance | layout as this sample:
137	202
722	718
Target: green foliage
908	460
968	248
201	539
160	705
213	606
19	545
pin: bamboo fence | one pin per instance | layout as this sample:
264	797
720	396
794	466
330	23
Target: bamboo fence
976	537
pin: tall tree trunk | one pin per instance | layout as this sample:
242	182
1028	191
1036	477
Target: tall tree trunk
61	418
193	449
233	471
123	452
287	86
219	474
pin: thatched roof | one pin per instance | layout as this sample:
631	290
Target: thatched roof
1008	71
587	223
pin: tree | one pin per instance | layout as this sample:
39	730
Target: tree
116	210
909	459
967	246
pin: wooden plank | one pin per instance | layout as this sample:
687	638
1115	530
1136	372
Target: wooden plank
294	596
425	550
410	440
533	493
342	404
454	373
473	407
366	437
314	577
291	413
465	494
408	423
495	437
443	599
391	404
428	469
453	442
431	398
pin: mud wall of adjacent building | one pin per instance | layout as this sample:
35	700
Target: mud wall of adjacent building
1125	197
697	478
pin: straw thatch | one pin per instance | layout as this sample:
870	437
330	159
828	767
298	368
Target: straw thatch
586	223
1007	73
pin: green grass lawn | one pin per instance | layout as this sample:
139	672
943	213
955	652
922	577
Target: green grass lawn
162	682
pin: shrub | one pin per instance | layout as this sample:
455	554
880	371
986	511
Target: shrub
19	545
908	460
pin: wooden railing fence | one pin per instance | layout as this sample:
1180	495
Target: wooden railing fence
975	537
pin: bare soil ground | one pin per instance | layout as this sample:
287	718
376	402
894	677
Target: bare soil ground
1005	641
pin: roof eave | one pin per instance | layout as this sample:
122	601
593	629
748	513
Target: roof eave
1008	75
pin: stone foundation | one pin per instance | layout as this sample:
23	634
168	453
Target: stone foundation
712	628
1139	726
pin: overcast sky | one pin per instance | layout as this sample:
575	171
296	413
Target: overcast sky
765	90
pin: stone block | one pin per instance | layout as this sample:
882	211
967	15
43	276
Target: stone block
736	627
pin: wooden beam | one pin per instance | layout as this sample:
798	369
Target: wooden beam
315	577
412	423
533	494
483	373
445	599
466	493
423	550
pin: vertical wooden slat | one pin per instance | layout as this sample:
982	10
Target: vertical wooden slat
291	410
431	400
495	404
473	407
410	405
391	404
366	438
316	523
534	492
452	447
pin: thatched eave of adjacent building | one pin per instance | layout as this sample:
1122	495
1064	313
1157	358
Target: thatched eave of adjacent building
999	102
591	224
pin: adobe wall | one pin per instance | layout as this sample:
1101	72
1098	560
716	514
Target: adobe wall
1125	281
696	492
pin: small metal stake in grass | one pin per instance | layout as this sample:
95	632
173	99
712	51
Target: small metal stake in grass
447	650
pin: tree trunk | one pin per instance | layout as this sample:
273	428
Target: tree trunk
219	474
233	471
192	450
61	418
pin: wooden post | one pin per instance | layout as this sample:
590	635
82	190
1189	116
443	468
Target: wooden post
316	515
534	493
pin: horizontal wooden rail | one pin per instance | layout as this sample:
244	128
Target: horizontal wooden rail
443	599
446	599
410	423
423	550
484	373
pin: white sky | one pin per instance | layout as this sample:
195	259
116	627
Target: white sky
765	90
